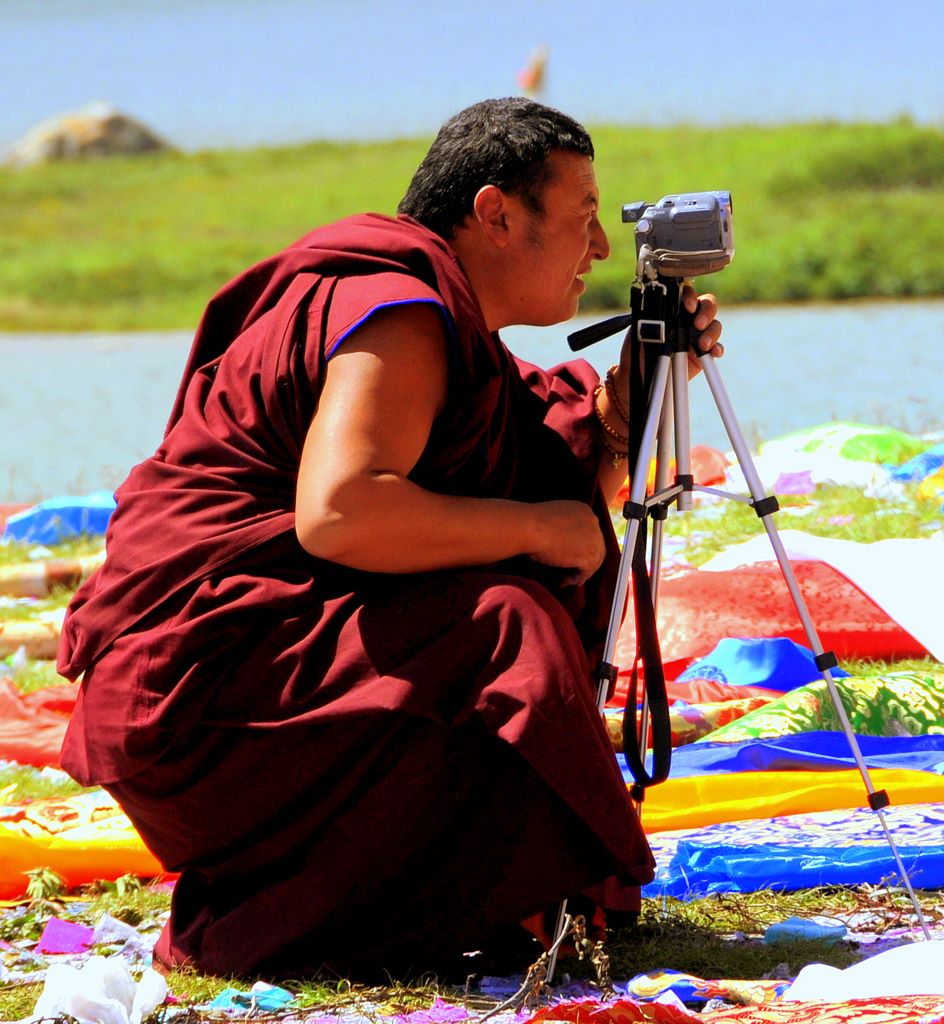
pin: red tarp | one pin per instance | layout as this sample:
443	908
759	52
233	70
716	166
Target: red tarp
32	724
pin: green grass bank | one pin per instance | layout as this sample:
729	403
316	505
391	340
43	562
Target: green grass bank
822	211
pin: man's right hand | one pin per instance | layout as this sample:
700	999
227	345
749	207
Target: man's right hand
568	536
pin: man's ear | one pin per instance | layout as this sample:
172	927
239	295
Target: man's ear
490	207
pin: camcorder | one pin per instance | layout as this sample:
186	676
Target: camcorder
683	235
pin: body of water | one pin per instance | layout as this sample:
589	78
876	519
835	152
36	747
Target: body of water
79	410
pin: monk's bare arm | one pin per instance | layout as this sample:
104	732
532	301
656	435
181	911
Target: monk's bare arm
355	504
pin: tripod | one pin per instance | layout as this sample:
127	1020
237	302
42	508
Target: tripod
661	323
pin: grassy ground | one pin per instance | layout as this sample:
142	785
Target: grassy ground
716	937
719	937
822	211
840	512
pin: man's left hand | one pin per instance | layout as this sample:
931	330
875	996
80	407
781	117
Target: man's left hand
705	309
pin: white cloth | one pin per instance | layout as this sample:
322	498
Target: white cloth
913	970
903	577
100	991
822	467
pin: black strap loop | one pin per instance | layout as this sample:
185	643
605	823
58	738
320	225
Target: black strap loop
649	657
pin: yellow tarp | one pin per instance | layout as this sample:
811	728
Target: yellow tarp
707	799
99	841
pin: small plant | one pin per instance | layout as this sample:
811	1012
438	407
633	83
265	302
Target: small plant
44	885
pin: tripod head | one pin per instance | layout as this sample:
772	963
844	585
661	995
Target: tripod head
656	313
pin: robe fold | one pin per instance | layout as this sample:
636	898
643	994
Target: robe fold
348	769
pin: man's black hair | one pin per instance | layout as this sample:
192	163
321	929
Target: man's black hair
502	142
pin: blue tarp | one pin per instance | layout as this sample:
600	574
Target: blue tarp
62	518
809	751
775	663
920	466
698	869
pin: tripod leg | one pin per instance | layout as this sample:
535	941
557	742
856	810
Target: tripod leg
765	506
664	452
683	433
637	495
637	498
675	426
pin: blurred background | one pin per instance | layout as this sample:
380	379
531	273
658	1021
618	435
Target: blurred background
242	124
210	73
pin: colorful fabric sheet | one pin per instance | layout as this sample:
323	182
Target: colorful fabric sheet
8	509
698	870
884	1010
857	442
915	824
931	486
792	851
61	936
689	722
896	704
904	970
902	576
697	609
83	838
623	1011
690	989
818	750
926	464
843	454
708	799
709	691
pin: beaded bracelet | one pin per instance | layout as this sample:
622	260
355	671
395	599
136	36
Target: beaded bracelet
613	394
617	455
615	434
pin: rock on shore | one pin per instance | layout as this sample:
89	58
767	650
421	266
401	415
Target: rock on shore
95	130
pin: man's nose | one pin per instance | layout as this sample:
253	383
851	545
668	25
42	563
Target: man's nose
599	243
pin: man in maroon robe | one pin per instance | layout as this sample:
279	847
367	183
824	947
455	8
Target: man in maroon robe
337	664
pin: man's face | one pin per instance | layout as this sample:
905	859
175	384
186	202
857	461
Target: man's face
560	245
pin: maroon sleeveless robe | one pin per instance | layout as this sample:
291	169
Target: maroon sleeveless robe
354	769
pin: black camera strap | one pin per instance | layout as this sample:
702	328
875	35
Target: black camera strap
648	656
